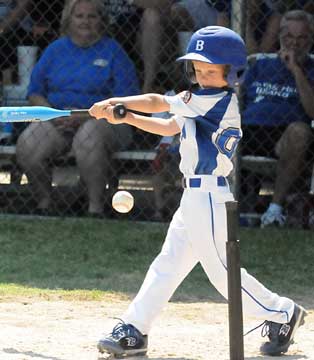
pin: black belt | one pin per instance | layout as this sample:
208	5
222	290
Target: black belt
197	182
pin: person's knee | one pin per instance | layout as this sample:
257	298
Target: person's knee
151	18
181	18
86	137
295	140
299	134
34	146
298	126
26	151
91	141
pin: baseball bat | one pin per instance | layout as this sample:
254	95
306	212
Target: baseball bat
36	113
236	345
45	113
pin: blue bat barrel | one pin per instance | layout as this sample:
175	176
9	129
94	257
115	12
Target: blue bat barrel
30	113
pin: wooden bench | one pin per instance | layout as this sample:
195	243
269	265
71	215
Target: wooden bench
69	196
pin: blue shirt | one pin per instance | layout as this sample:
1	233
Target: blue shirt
270	93
210	130
69	76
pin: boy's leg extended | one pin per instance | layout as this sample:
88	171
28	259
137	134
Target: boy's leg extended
172	265
280	316
209	235
165	274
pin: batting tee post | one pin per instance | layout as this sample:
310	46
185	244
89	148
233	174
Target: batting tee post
236	345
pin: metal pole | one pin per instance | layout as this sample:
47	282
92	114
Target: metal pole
236	345
238	16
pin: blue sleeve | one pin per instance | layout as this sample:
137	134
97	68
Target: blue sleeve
126	82
37	85
249	77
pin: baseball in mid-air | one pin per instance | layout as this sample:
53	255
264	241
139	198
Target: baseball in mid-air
122	201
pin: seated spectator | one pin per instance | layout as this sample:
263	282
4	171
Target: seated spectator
81	67
15	27
124	19
278	108
167	178
190	15
139	26
149	34
46	16
262	25
306	5
15	30
156	40
159	30
263	22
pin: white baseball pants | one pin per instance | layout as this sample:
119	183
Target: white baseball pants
198	233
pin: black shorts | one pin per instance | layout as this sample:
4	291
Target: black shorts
260	140
8	44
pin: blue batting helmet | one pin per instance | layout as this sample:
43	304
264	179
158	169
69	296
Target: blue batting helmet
217	45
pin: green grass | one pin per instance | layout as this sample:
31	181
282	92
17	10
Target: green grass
95	259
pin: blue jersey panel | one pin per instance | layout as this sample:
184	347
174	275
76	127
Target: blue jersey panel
205	126
207	152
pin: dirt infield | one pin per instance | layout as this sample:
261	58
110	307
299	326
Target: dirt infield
60	330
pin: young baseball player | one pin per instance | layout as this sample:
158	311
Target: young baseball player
208	121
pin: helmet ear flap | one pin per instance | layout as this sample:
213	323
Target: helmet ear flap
235	76
189	71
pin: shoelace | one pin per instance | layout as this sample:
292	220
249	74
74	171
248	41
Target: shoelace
269	328
257	327
119	330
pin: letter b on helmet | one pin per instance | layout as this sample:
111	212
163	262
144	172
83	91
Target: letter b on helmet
199	45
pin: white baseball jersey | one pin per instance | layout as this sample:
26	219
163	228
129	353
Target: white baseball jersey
210	124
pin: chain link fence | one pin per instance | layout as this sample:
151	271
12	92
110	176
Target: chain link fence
70	54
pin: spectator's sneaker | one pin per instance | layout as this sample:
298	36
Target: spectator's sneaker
271	217
124	340
281	335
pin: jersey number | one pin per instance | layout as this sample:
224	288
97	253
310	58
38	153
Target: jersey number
226	140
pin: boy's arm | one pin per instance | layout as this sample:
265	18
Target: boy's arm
154	125
147	103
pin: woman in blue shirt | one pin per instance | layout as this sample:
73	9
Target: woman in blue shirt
81	67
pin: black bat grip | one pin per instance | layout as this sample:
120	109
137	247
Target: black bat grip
119	111
80	113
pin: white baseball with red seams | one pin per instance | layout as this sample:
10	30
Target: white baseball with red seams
122	201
